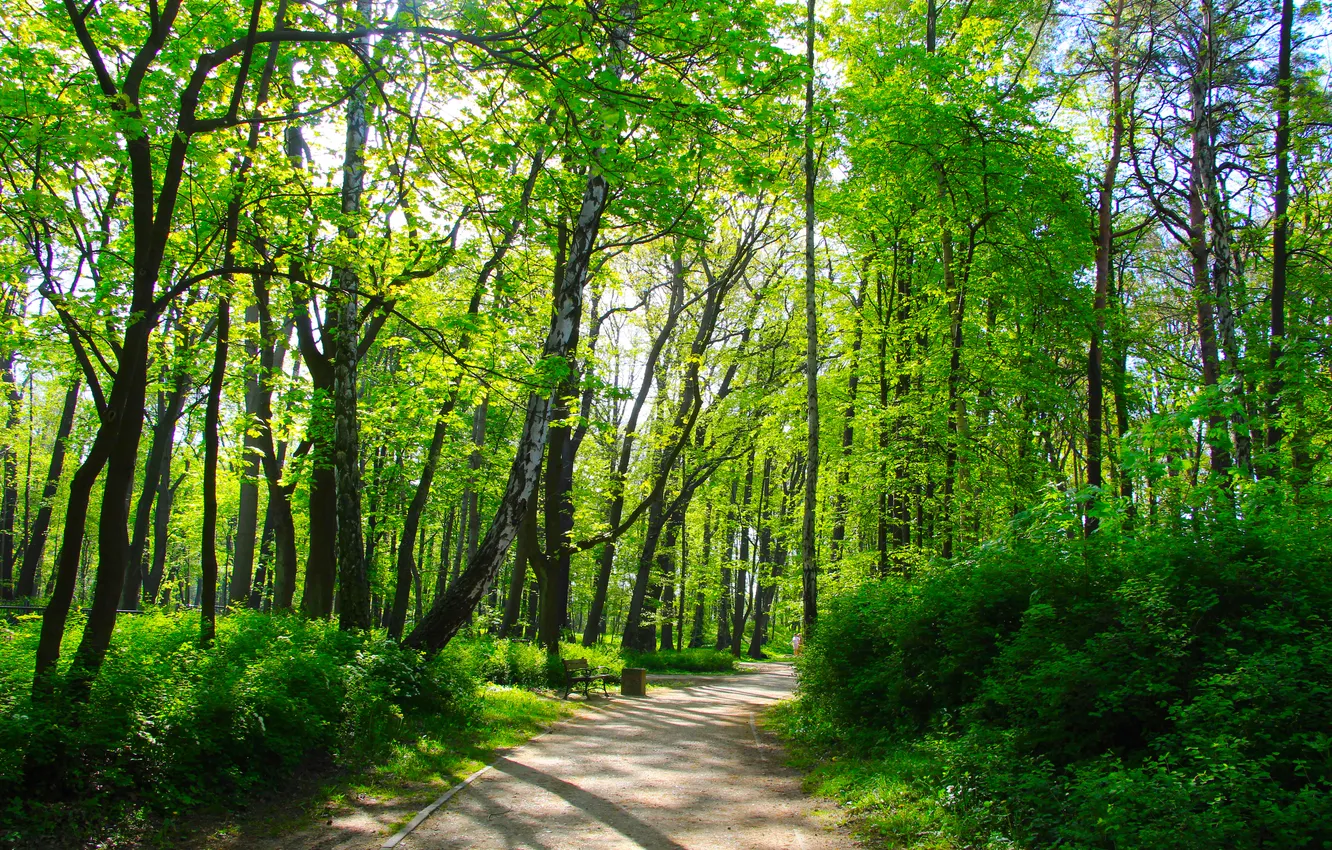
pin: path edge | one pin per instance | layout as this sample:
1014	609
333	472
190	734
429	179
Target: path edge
395	839
421	816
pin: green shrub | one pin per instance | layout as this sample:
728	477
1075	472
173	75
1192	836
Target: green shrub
169	725
684	660
522	664
1164	692
503	662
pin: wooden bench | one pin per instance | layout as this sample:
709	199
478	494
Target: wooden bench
578	672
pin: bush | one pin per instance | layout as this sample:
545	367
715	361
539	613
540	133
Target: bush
684	660
503	662
522	664
1164	692
169	725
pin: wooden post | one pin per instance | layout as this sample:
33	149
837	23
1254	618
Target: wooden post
633	682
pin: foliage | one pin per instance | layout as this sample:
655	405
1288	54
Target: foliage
1165	691
896	796
682	661
170	726
1057	296
522	664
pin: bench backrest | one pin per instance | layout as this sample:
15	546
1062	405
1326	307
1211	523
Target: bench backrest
574	664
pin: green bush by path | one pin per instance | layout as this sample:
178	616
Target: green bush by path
682	661
522	664
1167	692
169	727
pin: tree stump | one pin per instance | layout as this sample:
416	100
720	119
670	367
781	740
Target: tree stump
633	682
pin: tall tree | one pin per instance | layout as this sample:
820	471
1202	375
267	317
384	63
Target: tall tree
808	545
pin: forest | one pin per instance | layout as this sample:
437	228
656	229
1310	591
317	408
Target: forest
357	354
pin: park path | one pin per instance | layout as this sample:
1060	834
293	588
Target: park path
685	768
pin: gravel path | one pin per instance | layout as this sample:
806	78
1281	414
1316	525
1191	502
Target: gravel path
682	768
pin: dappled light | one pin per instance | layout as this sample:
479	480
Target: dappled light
473	424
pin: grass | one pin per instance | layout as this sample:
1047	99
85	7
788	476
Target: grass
444	753
893	794
437	754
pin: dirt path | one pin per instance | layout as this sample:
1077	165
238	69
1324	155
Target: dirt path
683	768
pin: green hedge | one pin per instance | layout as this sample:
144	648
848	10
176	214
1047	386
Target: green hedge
1171	692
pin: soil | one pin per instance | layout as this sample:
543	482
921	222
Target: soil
685	768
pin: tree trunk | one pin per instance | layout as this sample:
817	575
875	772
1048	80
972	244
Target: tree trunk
9	465
124	422
278	520
166	492
666	575
837	541
247	514
724	595
56	613
684	578
208	553
1104	249
808	549
887	495
956	405
739	608
705	561
261	577
595	615
762	596
475	462
442	574
406	568
36	546
518	577
169	408
1280	232
460	545
353	576
639	626
1200	255
1225	279
449	612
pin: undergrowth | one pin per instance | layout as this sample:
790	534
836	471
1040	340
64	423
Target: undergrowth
170	728
682	661
1167	691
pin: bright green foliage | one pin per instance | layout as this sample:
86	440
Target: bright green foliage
682	661
522	664
170	726
1170	691
1160	684
893	794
